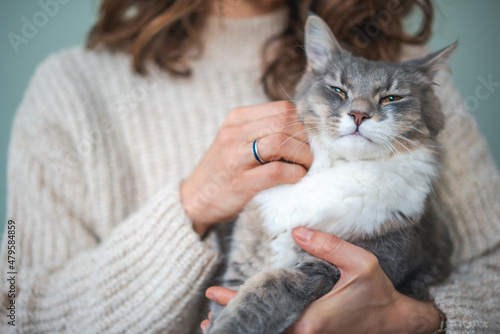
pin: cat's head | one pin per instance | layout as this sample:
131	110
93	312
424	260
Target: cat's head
356	109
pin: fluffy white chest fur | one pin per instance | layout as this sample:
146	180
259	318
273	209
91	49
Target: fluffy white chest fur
349	198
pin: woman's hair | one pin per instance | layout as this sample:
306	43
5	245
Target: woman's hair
163	31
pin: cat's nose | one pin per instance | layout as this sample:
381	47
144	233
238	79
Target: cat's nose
358	116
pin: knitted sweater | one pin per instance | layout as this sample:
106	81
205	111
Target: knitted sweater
103	244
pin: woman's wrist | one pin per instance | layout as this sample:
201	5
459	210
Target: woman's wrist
411	316
187	202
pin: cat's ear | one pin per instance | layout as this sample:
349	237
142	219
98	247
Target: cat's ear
429	65
319	42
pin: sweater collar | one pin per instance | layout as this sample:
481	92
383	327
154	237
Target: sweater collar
238	43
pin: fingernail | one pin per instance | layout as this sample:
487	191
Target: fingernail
210	295
303	234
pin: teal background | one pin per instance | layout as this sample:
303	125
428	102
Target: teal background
475	23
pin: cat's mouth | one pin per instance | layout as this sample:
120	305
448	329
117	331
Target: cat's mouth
357	134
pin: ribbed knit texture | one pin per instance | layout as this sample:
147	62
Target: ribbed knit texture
96	159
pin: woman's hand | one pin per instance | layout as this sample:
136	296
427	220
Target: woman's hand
363	300
229	176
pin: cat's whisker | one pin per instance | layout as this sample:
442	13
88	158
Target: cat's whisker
325	130
420	164
299	74
295	134
392	137
288	116
303	143
387	143
291	99
417	143
295	158
400	157
411	127
296	123
321	129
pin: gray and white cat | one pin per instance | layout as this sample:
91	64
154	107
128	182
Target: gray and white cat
372	127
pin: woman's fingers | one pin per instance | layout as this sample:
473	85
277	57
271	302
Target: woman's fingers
220	295
279	138
290	126
346	256
204	325
277	147
244	115
268	175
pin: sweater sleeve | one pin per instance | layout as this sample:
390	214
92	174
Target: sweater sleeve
468	199
146	274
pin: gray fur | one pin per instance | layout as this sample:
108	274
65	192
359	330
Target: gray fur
414	256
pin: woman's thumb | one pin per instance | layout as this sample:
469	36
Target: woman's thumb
331	248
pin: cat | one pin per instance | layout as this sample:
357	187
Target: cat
372	128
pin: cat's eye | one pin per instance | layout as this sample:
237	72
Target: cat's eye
339	91
390	98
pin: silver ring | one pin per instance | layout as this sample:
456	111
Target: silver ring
256	152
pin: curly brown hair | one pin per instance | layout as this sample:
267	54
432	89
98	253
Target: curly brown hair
163	31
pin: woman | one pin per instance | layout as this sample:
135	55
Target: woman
117	174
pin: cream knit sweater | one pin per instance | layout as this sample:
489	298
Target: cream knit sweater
103	244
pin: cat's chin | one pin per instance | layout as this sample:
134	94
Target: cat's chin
356	137
353	147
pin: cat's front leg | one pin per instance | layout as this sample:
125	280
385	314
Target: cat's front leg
270	302
233	279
